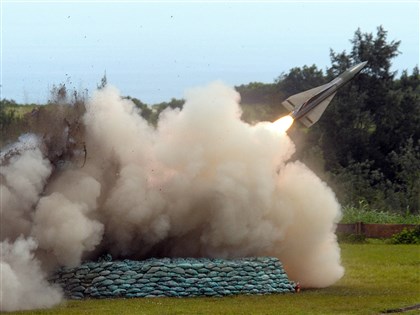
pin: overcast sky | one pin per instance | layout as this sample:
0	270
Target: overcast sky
156	50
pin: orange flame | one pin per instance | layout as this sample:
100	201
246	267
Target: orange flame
283	124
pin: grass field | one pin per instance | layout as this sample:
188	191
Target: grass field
378	277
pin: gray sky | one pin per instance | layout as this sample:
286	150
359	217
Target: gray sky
156	50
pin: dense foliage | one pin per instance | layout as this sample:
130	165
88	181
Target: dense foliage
362	213
407	236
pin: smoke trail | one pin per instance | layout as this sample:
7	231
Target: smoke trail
203	183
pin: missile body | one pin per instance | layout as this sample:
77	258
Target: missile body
308	106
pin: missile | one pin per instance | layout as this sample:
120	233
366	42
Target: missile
308	106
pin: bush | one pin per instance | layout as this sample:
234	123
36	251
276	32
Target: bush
407	236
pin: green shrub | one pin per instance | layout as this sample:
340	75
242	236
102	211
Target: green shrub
407	236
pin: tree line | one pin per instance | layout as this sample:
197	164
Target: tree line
366	145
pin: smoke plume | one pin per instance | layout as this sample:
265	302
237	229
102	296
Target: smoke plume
202	184
23	283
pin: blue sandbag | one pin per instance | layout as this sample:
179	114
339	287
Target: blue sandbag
174	277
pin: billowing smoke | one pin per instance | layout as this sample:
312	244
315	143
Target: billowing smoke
202	184
23	283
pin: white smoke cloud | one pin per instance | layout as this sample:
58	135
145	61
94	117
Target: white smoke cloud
310	251
23	180
64	221
207	184
23	285
63	228
203	183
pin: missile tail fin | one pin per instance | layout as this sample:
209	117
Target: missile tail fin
313	116
297	100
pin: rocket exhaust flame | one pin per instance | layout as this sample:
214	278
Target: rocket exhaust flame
284	123
201	184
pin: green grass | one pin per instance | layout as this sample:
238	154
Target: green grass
378	277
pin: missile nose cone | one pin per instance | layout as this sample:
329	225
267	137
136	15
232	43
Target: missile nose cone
357	68
362	64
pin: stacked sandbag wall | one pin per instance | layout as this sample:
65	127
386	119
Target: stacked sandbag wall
178	277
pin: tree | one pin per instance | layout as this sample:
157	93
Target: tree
257	93
300	79
259	101
375	121
376	51
145	111
406	167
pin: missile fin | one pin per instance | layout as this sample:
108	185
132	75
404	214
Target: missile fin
313	116
298	99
